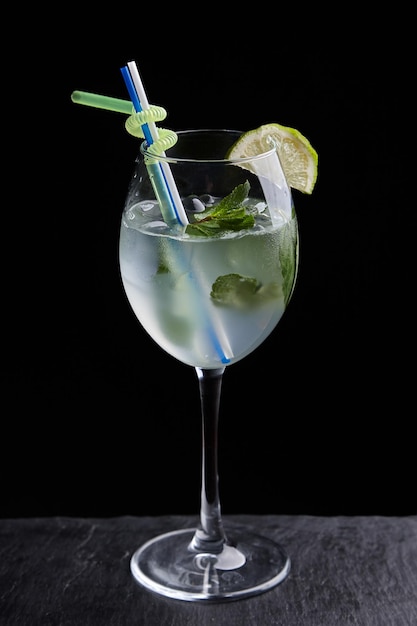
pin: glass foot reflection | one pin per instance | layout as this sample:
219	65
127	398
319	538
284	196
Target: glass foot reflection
168	566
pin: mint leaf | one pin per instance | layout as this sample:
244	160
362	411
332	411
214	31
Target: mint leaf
229	214
233	200
242	291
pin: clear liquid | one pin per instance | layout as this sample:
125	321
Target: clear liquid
169	278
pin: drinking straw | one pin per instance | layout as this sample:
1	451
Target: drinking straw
102	102
140	102
217	334
155	170
136	101
164	187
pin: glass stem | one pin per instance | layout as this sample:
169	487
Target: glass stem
210	536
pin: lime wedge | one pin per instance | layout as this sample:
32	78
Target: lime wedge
298	158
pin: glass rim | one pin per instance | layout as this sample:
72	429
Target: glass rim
174	159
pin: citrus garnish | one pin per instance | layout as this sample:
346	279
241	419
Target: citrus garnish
298	158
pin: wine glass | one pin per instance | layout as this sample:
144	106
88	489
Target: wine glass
209	292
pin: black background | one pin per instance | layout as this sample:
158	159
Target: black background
97	419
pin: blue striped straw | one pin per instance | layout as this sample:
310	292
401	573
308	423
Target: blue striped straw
160	173
167	193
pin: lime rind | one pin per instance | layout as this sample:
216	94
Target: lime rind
298	158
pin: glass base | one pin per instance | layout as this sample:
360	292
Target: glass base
249	564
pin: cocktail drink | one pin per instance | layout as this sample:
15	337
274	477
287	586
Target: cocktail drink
208	261
208	294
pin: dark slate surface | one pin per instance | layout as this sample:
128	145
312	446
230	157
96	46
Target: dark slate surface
345	571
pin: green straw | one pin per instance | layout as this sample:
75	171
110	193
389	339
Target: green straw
125	106
102	102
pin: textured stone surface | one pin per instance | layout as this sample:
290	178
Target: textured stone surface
345	570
